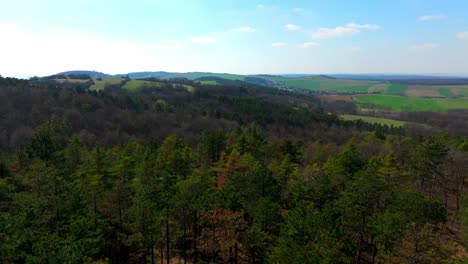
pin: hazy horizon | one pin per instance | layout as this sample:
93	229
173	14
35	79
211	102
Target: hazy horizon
450	75
422	37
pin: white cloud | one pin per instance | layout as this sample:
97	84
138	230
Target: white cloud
309	45
355	49
363	26
260	6
43	52
341	31
462	35
430	17
244	29
278	44
298	10
292	27
203	40
424	47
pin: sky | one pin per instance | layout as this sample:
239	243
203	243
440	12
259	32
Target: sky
44	37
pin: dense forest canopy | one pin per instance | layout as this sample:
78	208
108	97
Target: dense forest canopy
222	174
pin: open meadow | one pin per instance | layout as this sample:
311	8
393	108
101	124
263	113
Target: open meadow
411	104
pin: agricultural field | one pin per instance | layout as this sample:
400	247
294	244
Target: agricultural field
379	88
457	90
448	91
326	84
416	104
374	120
463	92
445	92
338	97
320	83
396	89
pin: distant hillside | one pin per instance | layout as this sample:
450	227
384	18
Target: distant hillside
92	74
312	84
156	74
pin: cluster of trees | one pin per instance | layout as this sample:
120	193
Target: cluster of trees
233	197
453	121
112	116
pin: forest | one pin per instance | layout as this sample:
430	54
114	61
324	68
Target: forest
229	173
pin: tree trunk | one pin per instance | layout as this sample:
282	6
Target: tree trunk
152	249
358	259
195	238
235	253
167	220
161	252
213	246
185	242
167	237
374	253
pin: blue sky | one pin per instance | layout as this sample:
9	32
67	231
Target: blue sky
236	36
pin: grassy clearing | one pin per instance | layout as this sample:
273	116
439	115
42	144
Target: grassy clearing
397	89
401	103
209	82
189	88
99	85
140	84
374	120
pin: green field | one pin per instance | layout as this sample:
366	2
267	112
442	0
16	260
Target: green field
445	92
374	120
139	84
414	104
397	89
99	85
